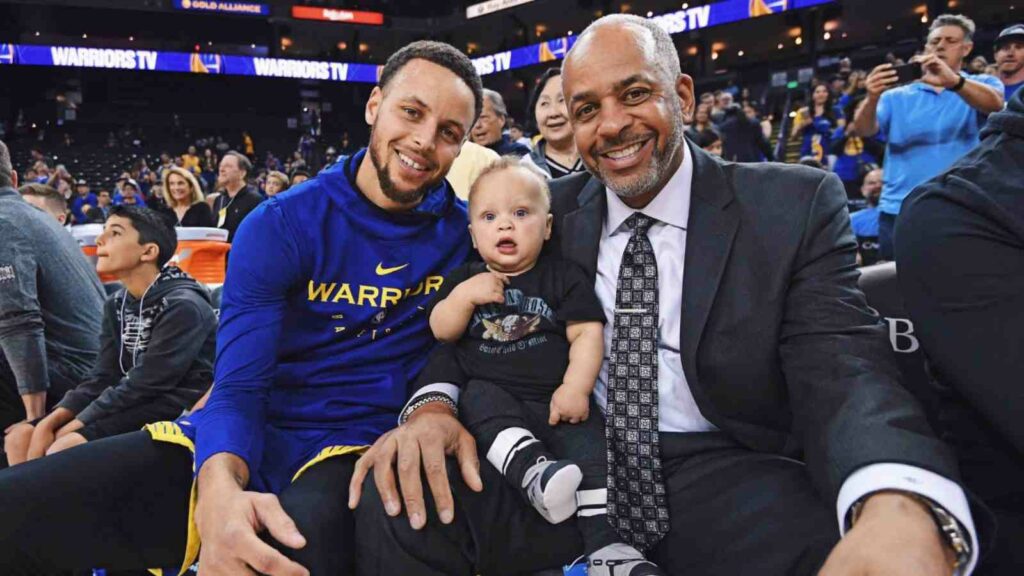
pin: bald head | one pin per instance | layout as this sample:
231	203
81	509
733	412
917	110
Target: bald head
628	30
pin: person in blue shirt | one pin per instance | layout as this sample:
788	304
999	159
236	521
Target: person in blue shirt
322	329
1010	59
865	222
84	199
927	124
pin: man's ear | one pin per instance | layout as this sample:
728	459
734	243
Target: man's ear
373	105
150	253
14	178
684	90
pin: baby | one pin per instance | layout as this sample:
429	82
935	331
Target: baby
525	340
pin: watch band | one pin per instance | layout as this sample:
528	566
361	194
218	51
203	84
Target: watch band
959	85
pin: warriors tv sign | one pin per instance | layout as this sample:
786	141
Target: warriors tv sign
335	15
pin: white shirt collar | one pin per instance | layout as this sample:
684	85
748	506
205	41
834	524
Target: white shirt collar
671	205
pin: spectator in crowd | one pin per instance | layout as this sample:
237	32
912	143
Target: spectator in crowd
209	165
130	194
977	65
277	182
472	160
865	221
184	199
489	128
814	124
47	199
166	162
555	151
285	377
837	84
723	100
701	121
960	248
156	346
516	134
743	137
50	307
854	92
776	346
708	99
31	175
98	213
928	124
345	146
42	171
236	198
299	175
1010	59
82	201
191	162
753	112
62	181
854	157
709	141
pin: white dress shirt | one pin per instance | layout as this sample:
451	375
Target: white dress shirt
677	410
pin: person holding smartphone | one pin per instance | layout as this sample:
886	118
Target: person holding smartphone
930	123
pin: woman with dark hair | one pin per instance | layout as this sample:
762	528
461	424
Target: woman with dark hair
815	123
555	151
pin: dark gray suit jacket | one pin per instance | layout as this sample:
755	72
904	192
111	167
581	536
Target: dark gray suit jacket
778	344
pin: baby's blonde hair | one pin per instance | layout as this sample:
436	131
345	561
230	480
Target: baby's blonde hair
510	163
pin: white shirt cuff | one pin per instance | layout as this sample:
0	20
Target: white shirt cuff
446	388
938	489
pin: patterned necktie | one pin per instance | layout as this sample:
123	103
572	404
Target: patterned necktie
637	504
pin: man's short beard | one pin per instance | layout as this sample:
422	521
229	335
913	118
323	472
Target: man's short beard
388	187
661	161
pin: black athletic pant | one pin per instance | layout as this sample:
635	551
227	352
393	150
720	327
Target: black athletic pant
487	409
121	503
733	512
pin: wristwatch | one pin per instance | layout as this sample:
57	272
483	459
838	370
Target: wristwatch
959	85
951	531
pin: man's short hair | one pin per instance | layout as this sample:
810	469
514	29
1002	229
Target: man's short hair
53	199
965	24
152	226
6	169
445	56
666	57
497	102
243	161
509	162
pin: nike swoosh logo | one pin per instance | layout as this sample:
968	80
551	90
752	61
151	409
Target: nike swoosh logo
382	271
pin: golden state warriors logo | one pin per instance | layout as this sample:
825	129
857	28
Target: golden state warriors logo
205	63
766	7
186	4
553	49
7	54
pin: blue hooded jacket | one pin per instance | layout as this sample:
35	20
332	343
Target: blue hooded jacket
322	324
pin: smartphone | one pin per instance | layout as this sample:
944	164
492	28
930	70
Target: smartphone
907	73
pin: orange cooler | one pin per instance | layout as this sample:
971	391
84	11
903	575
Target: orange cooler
202	252
86	235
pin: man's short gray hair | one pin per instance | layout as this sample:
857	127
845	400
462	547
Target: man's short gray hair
6	168
665	54
965	24
497	102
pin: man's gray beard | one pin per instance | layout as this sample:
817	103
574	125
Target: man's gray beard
388	187
660	163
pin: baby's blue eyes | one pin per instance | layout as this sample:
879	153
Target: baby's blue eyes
520	213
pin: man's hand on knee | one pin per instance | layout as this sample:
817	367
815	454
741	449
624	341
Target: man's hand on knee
421	444
229	520
895	535
16	442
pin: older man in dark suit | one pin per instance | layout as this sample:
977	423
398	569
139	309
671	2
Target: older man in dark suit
736	330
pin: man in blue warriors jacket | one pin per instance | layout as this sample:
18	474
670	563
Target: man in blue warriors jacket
322	329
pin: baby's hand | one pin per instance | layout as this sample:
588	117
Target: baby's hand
570	405
484	288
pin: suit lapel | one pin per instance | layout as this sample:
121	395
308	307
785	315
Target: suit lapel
711	229
581	232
